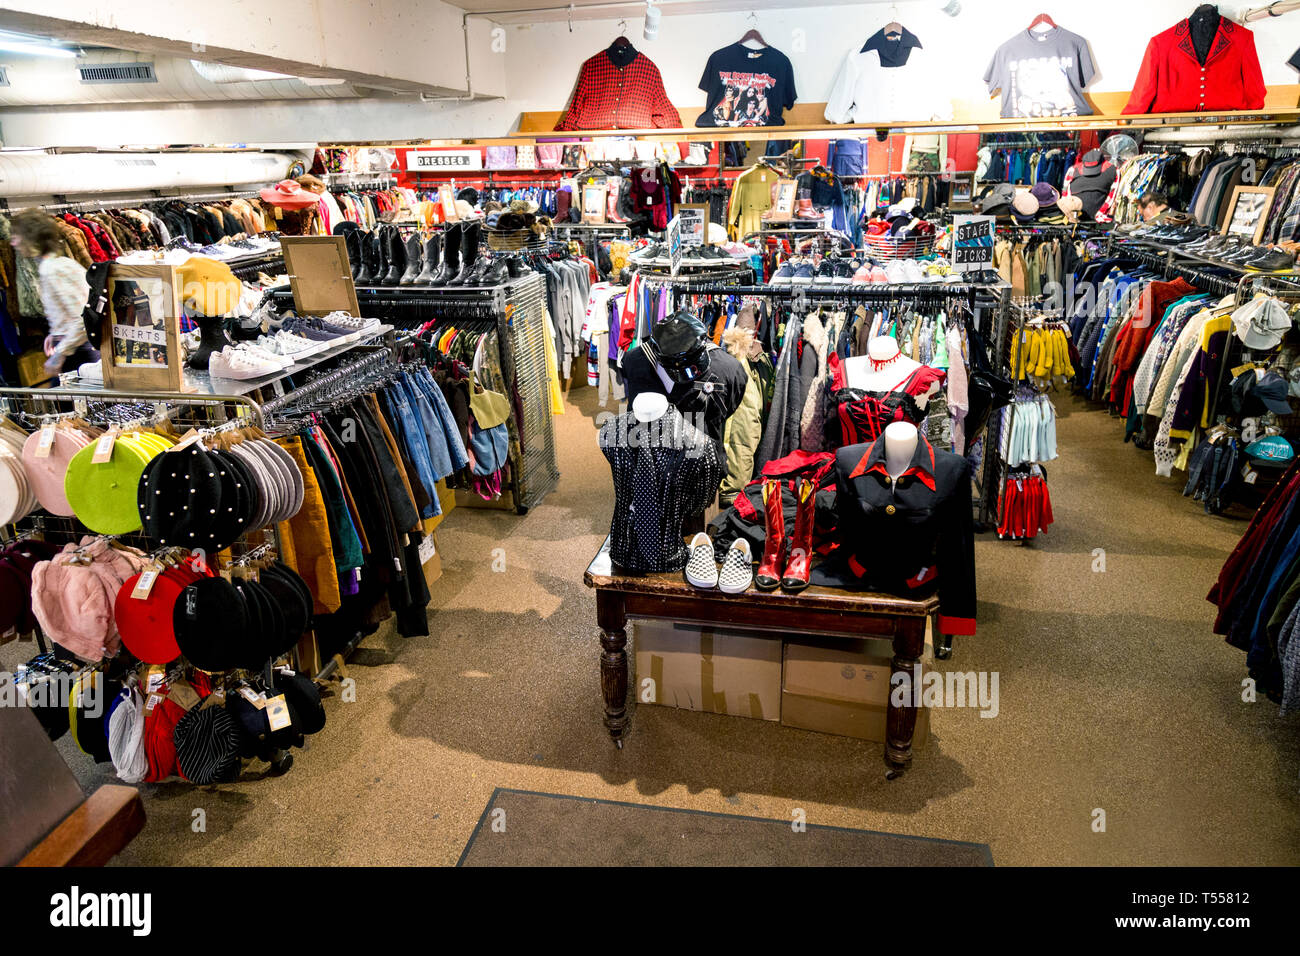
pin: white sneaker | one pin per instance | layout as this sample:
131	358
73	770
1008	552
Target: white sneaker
290	346
345	321
737	568
263	355
240	364
701	569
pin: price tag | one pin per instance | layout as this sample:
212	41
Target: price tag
104	447
1249	474
46	442
154	679
151	702
144	584
277	713
254	698
183	695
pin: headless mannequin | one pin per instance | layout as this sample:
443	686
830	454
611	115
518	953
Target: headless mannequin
900	445
882	369
1204	23
649	407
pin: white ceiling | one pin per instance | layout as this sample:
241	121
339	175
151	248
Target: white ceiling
598	10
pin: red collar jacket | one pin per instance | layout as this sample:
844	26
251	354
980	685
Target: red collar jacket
1172	80
619	97
909	536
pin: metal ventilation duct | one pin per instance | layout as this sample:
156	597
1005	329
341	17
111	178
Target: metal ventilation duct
119	76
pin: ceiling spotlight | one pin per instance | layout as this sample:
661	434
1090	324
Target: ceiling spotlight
652	14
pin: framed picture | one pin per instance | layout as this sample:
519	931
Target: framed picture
141	340
786	191
593	203
1247	211
961	191
447	200
695	223
320	275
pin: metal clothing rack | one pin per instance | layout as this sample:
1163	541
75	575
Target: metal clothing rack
128	201
518	309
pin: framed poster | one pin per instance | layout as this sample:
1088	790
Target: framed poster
141	340
695	223
961	192
320	275
593	203
447	201
786	191
1247	211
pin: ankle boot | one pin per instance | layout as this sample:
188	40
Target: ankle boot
768	575
797	569
497	273
412	261
514	266
478	277
365	272
431	260
396	256
450	265
468	253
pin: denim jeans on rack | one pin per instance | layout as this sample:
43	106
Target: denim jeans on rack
455	447
435	442
411	433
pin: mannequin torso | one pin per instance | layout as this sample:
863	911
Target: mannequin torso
882	369
900	446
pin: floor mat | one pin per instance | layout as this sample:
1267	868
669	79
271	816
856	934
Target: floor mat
524	828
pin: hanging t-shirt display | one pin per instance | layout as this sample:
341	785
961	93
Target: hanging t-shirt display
746	87
1042	74
890	78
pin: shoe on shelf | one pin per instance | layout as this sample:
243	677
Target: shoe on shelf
799	566
803	274
263	354
863	275
310	329
701	569
240	365
290	346
737	572
1272	260
783	274
342	320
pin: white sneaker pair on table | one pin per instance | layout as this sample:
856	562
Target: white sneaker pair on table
737	572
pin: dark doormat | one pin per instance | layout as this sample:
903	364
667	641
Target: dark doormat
524	828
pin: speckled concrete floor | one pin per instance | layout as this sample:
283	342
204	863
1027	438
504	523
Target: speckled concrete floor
1114	695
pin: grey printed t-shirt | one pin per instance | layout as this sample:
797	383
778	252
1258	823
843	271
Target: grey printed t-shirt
1042	74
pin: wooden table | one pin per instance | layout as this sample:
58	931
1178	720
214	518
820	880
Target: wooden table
774	614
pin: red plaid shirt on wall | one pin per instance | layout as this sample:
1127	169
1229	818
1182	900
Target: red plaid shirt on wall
611	97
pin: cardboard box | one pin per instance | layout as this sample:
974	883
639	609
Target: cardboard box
842	687
447	500
707	669
430	558
31	368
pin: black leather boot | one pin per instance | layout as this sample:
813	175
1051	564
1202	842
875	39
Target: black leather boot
497	273
468	253
351	238
412	261
365	274
396	250
450	265
514	266
432	256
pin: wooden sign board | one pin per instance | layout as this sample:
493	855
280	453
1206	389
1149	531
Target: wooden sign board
319	275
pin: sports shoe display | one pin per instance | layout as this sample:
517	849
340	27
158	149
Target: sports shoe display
701	569
290	346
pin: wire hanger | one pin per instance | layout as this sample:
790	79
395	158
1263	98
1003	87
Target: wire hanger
752	33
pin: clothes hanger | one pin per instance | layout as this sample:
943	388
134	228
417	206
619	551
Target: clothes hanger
893	26
752	33
1043	20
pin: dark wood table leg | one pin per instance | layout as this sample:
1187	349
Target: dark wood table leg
900	721
611	615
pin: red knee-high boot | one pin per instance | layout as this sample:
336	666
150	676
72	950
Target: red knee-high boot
768	575
798	567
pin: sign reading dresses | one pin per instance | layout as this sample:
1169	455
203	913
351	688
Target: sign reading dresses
442	160
972	243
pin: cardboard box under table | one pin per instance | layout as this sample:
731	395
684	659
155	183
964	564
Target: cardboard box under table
716	671
842	687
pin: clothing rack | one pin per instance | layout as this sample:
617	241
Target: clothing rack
344	372
518	310
154	196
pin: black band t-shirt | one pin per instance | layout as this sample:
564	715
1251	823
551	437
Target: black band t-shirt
746	87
